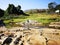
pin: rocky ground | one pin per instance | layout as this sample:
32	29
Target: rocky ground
31	36
43	36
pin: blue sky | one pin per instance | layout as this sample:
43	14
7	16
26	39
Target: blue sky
27	4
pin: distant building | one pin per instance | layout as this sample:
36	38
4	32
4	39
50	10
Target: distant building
57	11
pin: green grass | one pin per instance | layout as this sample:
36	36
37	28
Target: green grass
42	18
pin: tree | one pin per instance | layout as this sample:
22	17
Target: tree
1	13
19	11
51	7
18	8
14	10
9	9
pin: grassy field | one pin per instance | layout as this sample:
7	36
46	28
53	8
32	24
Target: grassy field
44	18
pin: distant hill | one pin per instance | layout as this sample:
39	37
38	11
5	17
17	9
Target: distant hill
36	11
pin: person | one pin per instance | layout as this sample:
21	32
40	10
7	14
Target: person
28	25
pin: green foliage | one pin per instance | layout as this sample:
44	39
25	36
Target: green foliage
11	12
14	10
39	17
51	7
43	17
11	9
18	8
1	13
58	7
